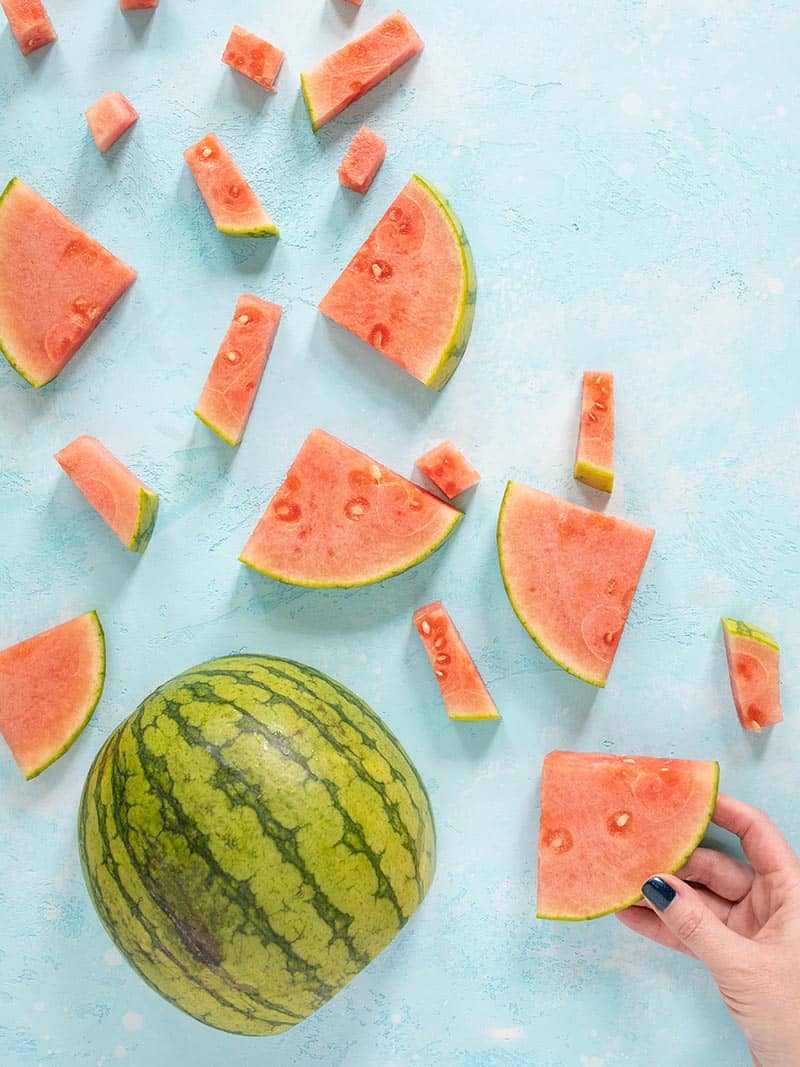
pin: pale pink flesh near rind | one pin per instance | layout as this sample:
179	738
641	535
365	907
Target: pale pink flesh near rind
448	469
754	670
460	683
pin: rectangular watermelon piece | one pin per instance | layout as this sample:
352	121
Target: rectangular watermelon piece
448	469
754	668
138	5
594	460
109	118
232	204
463	690
347	74
253	57
362	161
56	284
232	383
29	23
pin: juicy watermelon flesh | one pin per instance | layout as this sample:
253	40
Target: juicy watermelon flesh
334	83
49	687
254	57
409	292
448	469
754	667
118	496
232	383
56	284
138	5
594	462
234	207
342	519
109	118
363	160
571	575
29	23
608	823
463	690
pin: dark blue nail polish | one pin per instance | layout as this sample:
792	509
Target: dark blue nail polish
659	893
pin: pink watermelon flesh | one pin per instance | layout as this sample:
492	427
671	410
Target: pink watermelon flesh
234	207
116	494
754	667
232	383
448	469
355	3
138	5
341	519
49	687
594	462
363	160
56	284
29	23
254	57
463	690
109	118
571	575
336	82
608	823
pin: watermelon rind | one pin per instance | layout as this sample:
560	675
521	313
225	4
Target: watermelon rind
260	231
148	513
311	113
737	628
215	429
593	476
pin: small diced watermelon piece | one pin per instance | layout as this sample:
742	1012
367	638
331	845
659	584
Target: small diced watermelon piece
355	3
594	461
448	469
29	23
109	118
754	668
138	5
234	207
254	57
363	160
463	690
233	380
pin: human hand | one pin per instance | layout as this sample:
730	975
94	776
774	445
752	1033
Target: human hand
743	922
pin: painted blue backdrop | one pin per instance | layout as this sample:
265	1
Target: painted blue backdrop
628	173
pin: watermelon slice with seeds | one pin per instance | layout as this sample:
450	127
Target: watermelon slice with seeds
754	667
49	688
571	575
463	690
342	519
608	823
232	204
29	23
594	461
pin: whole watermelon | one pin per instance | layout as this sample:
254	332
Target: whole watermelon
252	836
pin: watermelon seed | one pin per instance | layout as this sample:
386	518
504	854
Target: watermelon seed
439	642
415	504
378	337
609	637
243	320
559	840
592	417
381	270
425	626
612	585
442	658
618	821
287	511
356	508
439	674
232	356
600	405
207	152
234	191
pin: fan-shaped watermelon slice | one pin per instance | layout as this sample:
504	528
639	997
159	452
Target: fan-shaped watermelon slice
49	688
594	462
29	23
608	823
341	519
234	207
410	290
754	667
571	575
463	690
56	284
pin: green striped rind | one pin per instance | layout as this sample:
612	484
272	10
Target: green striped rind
148	512
215	429
4	350
596	477
737	628
260	231
252	837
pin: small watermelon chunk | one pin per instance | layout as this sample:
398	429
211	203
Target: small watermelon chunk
56	284
232	383
119	497
49	688
29	23
463	690
754	667
410	290
234	207
571	575
594	462
336	82
448	469
341	519
608	823
355	3
138	5
109	118
362	161
253	57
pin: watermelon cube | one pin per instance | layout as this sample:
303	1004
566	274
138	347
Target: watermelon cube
138	5
254	57
448	469
29	23
109	118
363	160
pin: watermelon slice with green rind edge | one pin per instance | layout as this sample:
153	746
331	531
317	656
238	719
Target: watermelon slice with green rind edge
231	202
463	689
594	459
754	667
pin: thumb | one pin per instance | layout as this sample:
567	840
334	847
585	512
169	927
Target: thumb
684	912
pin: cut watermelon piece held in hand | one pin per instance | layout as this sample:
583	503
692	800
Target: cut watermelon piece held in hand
362	161
109	118
463	690
754	667
448	469
253	57
594	462
29	23
234	207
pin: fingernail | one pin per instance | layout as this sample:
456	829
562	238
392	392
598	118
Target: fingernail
659	893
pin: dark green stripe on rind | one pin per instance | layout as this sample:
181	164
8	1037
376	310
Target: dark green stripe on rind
148	513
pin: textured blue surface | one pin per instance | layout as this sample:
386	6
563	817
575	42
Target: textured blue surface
627	172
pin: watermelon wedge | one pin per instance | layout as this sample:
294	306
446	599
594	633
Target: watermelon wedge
336	82
119	497
341	519
253	57
594	462
754	667
49	688
608	823
29	23
56	284
232	383
571	575
362	161
448	469
234	207
410	290
138	5
109	118
463	690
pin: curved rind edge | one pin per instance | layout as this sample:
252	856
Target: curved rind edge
599	478
148	513
215	429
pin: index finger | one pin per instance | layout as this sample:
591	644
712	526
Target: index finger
763	843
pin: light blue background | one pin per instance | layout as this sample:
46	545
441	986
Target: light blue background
628	173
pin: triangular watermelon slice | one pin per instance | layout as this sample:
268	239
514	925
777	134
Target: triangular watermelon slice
341	519
571	575
463	690
608	823
49	688
410	290
754	667
231	202
56	284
